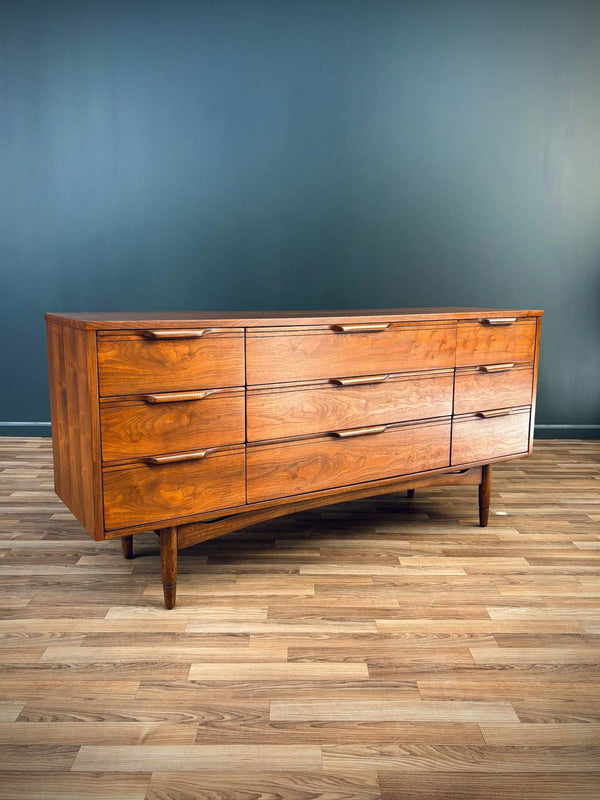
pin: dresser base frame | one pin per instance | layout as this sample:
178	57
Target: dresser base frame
175	538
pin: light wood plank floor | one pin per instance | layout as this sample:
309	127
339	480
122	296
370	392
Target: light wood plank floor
384	649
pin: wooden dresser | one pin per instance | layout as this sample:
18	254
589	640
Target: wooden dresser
195	425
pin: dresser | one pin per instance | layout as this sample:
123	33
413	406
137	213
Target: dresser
198	424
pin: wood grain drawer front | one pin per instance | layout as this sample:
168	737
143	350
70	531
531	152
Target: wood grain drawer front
504	385
166	423
276	355
495	340
477	438
283	469
278	412
144	494
132	363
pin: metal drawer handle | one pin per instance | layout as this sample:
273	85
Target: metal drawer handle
499	321
177	397
496	367
361	327
499	412
175	459
359	381
350	432
181	334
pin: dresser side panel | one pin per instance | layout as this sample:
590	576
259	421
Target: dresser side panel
536	361
74	413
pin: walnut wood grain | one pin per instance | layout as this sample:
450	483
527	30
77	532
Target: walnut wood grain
131	364
475	438
171	389
168	560
144	494
485	491
318	408
372	487
196	532
118	320
475	389
74	410
294	467
480	343
536	364
127	546
296	354
133	428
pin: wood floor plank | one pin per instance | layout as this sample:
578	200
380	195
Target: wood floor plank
253	651
315	627
144	613
477	625
555	711
105	733
509	687
68	625
235	727
488	786
281	689
268	784
450	758
390	711
37	757
534	735
326	671
529	613
47	686
368	569
195	758
45	785
536	655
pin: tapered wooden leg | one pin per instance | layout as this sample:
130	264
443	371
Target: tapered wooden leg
485	490
168	560
127	545
410	493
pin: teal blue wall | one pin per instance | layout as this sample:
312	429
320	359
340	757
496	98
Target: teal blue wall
317	153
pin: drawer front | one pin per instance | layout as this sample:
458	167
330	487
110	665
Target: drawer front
504	386
484	342
476	438
132	363
167	423
278	412
276	355
291	468
143	494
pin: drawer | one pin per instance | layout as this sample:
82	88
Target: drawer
167	423
277	412
277	355
282	469
477	438
170	360
495	340
151	494
494	386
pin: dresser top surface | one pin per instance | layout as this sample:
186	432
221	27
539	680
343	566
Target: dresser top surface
114	320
